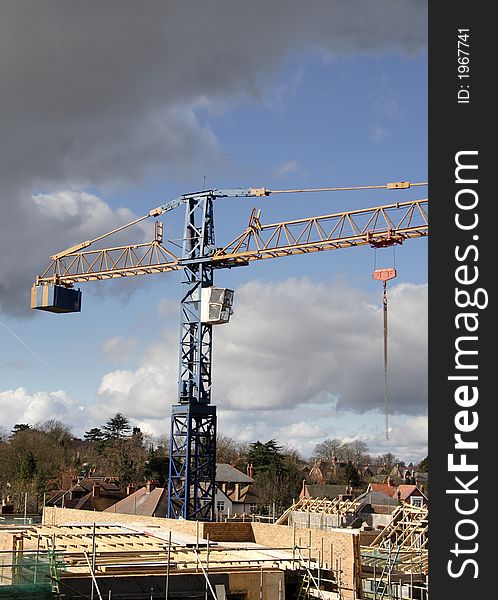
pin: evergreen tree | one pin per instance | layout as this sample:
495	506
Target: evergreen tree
117	427
94	435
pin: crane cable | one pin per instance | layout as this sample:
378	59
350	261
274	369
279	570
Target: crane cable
386	400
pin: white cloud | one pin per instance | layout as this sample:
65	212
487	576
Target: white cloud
51	223
119	105
119	349
21	406
297	359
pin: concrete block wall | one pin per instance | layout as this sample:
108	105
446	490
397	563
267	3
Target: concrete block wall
338	548
59	516
228	532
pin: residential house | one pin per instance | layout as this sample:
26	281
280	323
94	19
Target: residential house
405	493
89	493
236	494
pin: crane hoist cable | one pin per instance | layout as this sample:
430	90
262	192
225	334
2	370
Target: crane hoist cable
385	275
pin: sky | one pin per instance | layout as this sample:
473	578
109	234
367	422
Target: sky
109	109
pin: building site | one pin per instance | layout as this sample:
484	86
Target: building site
201	535
214	226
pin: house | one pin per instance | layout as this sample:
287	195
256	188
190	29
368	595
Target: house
405	493
236	493
89	493
324	470
375	508
411	494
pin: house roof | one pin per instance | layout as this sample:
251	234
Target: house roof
228	474
377	498
382	487
141	502
329	491
405	491
109	490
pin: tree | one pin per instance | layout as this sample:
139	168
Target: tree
56	431
327	449
227	450
27	468
355	451
266	458
157	464
386	462
424	465
18	427
117	427
351	475
94	435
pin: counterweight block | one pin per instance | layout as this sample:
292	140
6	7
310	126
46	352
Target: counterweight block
55	298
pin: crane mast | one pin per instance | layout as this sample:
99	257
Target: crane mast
192	462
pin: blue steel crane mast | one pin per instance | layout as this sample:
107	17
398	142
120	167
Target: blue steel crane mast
192	463
192	467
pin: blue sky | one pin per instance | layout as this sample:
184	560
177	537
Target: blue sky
307	116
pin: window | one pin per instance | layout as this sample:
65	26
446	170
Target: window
220	506
253	507
417	501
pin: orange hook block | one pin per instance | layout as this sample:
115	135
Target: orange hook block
384	274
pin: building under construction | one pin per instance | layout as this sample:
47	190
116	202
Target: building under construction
84	554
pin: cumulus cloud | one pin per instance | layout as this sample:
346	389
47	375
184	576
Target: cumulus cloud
21	406
105	93
42	224
119	349
296	358
298	362
298	342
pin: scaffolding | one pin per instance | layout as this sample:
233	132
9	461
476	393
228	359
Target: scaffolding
337	506
111	550
398	558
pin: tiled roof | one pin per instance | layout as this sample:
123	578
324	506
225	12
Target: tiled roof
228	474
141	502
330	491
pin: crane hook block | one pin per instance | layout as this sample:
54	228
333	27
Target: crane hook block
55	298
384	274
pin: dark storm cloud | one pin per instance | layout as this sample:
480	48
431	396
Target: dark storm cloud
104	92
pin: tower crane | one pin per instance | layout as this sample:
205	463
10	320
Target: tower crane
192	466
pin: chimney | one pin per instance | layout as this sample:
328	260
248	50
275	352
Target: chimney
390	481
250	471
96	490
130	489
237	492
149	486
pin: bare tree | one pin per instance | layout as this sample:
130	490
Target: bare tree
327	449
